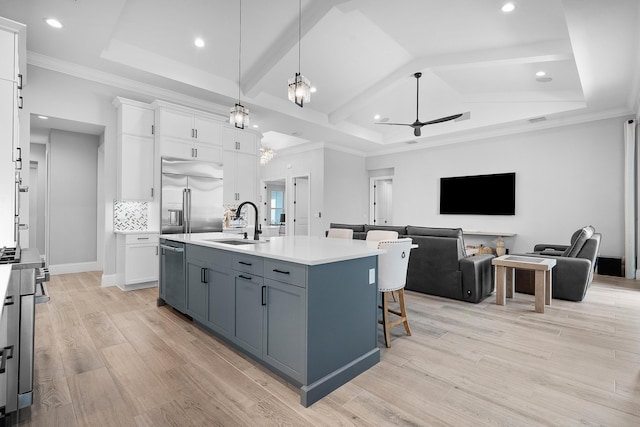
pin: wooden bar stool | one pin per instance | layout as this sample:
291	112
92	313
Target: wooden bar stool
392	276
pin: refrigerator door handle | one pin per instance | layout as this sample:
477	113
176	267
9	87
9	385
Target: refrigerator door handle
186	208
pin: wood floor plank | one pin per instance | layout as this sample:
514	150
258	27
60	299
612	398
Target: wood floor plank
108	357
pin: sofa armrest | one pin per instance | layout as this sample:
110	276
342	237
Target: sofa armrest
477	276
540	247
552	253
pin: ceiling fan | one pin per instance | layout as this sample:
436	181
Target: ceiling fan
417	125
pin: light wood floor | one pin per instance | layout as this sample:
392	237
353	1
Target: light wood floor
106	357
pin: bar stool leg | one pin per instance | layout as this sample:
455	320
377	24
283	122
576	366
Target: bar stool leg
403	312
385	319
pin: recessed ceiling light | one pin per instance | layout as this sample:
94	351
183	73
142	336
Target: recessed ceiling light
255	126
508	7
376	117
313	89
199	42
43	117
541	73
53	22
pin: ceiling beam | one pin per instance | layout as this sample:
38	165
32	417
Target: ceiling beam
539	52
311	15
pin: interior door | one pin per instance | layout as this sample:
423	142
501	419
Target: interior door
382	202
301	206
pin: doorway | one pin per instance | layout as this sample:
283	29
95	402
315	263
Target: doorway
381	200
65	194
274	202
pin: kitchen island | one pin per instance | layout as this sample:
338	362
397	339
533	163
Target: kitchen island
304	307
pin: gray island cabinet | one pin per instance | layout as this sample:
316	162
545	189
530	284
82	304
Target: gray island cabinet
303	307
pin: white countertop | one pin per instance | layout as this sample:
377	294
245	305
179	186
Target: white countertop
5	275
299	249
136	231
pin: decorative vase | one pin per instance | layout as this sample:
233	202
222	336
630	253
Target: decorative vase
500	249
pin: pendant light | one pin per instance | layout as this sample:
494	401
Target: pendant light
299	86
239	116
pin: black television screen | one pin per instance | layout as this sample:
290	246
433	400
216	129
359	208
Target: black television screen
479	194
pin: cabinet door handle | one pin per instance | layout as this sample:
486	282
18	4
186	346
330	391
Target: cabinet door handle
196	133
196	150
156	251
20	81
264	295
153	130
7	353
275	270
244	277
245	263
191	132
20	102
8	300
152	192
203	275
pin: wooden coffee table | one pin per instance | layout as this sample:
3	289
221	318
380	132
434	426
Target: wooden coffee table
505	268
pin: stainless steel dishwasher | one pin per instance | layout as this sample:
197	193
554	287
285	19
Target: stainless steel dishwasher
173	290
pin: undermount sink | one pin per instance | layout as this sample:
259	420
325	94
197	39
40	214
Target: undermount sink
236	241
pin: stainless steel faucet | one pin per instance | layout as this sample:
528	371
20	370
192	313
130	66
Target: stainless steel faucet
256	229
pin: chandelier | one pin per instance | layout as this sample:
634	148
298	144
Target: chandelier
239	115
266	154
299	85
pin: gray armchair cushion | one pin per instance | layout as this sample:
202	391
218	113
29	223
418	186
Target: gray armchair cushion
578	240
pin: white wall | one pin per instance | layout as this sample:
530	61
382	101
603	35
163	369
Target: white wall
566	177
73	202
346	185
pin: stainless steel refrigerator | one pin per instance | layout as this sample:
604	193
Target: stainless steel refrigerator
191	198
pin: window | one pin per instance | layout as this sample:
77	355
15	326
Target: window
276	206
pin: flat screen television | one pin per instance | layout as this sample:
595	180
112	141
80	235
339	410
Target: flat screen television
493	194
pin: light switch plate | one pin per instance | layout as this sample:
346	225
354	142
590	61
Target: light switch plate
372	276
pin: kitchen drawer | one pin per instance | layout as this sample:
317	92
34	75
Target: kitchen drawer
248	264
286	272
136	238
209	255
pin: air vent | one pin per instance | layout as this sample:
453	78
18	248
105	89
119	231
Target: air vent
537	119
412	142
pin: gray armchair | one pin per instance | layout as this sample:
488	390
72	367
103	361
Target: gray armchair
574	268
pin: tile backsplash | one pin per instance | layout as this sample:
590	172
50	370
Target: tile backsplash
129	216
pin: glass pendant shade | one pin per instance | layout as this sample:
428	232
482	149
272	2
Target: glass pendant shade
239	116
299	89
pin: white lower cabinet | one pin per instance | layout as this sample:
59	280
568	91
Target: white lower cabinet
137	260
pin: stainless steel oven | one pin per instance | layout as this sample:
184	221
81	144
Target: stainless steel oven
19	317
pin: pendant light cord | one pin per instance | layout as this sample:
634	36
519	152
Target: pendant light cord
240	52
299	31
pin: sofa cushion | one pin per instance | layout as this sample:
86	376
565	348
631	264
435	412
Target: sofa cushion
578	239
355	227
433	231
402	230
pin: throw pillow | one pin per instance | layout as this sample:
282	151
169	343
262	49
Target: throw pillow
578	240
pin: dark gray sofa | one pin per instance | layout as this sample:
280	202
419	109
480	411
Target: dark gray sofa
439	266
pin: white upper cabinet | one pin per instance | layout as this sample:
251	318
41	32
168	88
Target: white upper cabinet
187	134
135	150
240	165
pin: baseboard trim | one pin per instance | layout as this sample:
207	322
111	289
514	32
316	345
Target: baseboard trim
109	280
80	267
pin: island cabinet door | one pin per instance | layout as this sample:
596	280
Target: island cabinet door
285	328
250	296
221	301
198	290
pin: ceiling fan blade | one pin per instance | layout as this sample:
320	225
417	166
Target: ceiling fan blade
395	124
441	119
